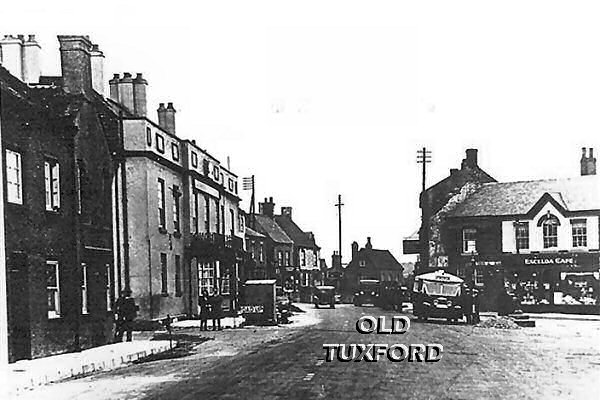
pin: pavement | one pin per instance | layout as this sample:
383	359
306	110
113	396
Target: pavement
558	359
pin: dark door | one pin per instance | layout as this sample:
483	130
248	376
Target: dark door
19	330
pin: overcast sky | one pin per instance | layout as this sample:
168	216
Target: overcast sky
321	97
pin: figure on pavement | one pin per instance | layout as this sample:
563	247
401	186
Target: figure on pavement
126	311
204	304
216	309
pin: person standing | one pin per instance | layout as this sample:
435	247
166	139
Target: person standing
203	302
216	309
476	318
126	311
467	306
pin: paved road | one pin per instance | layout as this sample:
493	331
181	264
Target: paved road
557	359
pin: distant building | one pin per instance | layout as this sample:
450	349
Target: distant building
370	263
435	203
59	138
537	239
257	265
305	255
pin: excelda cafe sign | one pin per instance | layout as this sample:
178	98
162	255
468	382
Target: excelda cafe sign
549	261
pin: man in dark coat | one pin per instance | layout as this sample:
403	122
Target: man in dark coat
467	303
126	311
216	309
204	303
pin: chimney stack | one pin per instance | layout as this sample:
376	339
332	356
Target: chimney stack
354	250
97	60
588	163
471	159
139	95
31	60
114	87
126	92
75	63
166	117
368	245
11	52
287	211
267	207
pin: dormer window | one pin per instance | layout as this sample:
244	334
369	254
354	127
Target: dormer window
160	143
175	151
216	173
149	136
194	160
550	224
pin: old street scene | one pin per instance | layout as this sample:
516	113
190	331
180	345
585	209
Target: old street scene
299	201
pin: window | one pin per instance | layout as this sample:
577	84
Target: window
163	275
194	160
175	151
178	276
160	143
252	245
287	258
149	136
550	232
261	252
362	263
305	279
195	206
522	235
84	288
161	204
52	181
108	287
216	173
176	207
226	283
230	185
14	186
206	214
302	258
579	230
232	219
206	277
218	219
223	220
279	258
53	288
478	276
235	187
205	167
469	242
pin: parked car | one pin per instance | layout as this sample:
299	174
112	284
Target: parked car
368	292
324	295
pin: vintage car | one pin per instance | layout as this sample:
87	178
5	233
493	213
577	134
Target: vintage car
437	295
367	293
324	295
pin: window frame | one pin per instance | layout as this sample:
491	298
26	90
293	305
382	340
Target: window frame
175	151
164	275
149	136
579	233
52	191
206	213
18	171
160	143
466	241
522	241
194	159
162	217
84	289
206	277
56	313
550	233
176	209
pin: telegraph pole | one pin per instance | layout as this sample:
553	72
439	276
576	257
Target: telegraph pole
339	207
423	157
248	184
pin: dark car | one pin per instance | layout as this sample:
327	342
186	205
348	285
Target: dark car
368	292
324	295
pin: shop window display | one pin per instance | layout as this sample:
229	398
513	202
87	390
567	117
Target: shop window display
578	288
531	287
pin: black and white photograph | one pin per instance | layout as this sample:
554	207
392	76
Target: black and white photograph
284	199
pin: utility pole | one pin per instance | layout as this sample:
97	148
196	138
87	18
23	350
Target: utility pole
248	184
423	157
3	279
339	207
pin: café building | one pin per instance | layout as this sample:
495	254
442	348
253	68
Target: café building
537	240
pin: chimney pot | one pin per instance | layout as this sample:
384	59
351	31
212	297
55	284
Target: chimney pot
31	60
471	158
166	117
97	62
31	38
140	103
11	52
126	96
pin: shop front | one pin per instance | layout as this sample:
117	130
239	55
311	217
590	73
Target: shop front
558	282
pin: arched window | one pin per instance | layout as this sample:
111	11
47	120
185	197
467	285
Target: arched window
549	225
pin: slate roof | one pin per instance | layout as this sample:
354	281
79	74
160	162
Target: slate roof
517	198
299	237
380	259
267	226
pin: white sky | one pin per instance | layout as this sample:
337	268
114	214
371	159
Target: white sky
323	97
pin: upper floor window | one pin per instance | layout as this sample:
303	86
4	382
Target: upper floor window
522	235
218	219
161	203
235	187
52	183
216	173
287	258
579	231
175	151
280	258
195	211
149	136
176	209
550	230
230	185
164	280
362	263
14	181
206	214
160	143
194	160
302	258
205	167
469	242
261	252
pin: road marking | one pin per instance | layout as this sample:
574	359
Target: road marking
309	376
